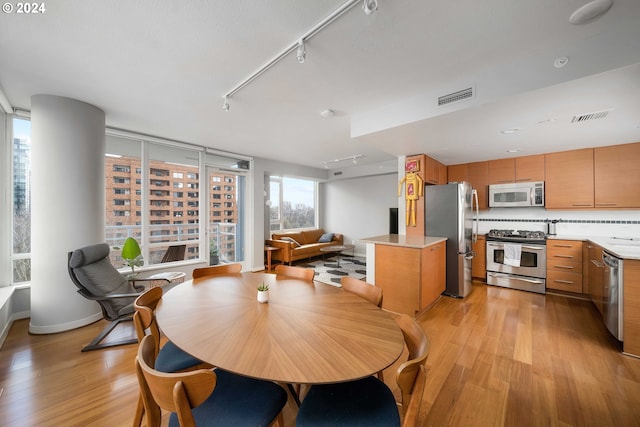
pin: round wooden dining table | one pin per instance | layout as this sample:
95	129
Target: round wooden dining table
307	333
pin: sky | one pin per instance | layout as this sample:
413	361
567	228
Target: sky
22	129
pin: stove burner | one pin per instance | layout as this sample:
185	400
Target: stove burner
520	235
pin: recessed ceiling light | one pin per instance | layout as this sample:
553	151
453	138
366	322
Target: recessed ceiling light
509	131
327	113
590	11
514	150
561	62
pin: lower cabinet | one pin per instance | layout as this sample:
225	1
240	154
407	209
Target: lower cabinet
631	309
411	278
564	265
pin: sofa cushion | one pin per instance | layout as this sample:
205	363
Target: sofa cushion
325	238
311	236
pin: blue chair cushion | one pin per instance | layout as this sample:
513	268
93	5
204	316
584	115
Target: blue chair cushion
238	401
172	359
366	402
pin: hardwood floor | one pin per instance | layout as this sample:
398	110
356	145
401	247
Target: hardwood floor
499	357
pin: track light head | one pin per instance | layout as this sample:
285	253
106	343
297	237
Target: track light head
369	6
225	105
302	52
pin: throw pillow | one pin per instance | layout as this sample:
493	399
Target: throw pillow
325	238
291	239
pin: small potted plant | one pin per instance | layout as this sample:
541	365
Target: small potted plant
213	253
263	292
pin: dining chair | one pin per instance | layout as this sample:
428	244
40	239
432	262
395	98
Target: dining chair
169	358
370	292
217	269
368	401
297	272
206	397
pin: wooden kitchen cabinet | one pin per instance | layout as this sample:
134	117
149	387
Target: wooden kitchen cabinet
564	265
479	261
433	280
631	310
596	275
502	171
478	177
457	173
411	278
569	179
433	171
617	176
530	168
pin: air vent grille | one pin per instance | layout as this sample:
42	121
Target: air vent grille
590	116
455	96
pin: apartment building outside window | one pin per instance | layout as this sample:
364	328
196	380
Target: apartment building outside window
21	200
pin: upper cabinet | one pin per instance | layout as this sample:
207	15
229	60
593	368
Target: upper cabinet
433	171
519	169
617	176
478	176
457	173
569	179
530	168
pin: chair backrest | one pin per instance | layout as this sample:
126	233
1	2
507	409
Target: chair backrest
91	271
173	392
418	345
297	272
217	269
371	293
144	318
174	253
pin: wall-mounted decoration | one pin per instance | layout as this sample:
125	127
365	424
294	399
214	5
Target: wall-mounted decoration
413	189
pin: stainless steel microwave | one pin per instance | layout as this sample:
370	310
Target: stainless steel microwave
516	195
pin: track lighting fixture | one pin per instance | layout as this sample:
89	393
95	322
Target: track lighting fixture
354	160
369	6
301	54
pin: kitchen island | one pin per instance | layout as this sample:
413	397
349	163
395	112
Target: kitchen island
411	270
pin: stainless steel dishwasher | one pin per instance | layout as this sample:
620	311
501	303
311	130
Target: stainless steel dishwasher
612	298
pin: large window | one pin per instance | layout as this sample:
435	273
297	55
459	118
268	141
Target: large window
21	200
293	203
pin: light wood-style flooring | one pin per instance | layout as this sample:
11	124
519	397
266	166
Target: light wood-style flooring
499	357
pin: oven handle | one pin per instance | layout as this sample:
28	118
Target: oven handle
537	282
533	248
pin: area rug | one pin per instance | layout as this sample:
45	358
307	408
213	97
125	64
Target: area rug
327	270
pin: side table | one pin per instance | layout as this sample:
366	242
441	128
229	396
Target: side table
169	277
269	250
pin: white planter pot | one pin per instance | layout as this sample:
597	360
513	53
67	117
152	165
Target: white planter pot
263	296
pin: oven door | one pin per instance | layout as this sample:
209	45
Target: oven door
533	260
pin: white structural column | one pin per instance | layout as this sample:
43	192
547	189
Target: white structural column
68	146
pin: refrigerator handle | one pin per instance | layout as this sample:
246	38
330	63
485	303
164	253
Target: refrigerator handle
476	216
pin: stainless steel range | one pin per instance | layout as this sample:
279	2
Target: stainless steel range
517	259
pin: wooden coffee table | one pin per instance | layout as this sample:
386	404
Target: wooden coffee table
338	249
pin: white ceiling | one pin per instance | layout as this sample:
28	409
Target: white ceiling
161	68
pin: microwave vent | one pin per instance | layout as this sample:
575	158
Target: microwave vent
590	116
455	96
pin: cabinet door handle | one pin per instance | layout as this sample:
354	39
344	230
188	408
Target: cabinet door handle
566	282
563	256
559	245
582	205
523	179
568	267
606	204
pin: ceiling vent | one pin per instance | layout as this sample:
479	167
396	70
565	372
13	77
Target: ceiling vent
455	96
590	116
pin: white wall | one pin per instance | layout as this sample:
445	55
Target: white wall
359	207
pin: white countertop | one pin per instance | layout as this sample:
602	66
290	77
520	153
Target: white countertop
404	240
621	247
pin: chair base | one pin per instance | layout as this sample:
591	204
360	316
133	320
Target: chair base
96	343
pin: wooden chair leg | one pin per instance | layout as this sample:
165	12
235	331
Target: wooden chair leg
381	376
137	418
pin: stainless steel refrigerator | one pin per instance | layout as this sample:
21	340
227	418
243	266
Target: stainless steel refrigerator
449	213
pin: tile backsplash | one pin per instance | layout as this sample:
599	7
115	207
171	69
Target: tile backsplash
619	223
